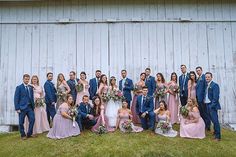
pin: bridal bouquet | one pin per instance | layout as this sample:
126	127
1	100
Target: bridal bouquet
79	87
116	95
40	102
61	95
127	125
73	112
160	91
164	126
175	89
184	111
102	130
105	97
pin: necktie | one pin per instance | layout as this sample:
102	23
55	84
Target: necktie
27	91
87	109
144	101
183	81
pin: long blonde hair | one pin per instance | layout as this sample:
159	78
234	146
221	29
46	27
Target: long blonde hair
194	101
35	76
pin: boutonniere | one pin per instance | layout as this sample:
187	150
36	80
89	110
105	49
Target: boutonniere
126	82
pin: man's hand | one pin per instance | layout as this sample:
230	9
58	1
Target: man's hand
18	111
143	115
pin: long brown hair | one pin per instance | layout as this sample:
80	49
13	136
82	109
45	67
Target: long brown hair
162	77
97	111
111	79
103	75
171	77
58	79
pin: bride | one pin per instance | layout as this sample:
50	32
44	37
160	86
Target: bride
112	106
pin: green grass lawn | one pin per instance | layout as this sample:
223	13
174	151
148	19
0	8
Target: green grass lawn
118	144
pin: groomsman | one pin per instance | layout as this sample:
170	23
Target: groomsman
212	96
24	106
72	82
150	82
86	113
144	109
126	86
50	96
94	84
183	85
200	92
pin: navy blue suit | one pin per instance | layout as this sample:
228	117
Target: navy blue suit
183	85
200	92
213	107
73	92
146	106
50	98
24	101
151	84
128	87
93	87
84	110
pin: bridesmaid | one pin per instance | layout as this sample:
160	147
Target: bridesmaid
124	114
85	90
103	87
63	87
138	91
173	100
100	116
160	85
164	116
193	126
41	122
62	122
192	85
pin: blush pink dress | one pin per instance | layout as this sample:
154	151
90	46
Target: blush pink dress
192	90
192	129
41	122
173	105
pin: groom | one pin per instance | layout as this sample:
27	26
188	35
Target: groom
24	106
126	86
144	109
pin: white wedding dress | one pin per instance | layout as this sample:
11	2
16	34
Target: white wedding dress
112	110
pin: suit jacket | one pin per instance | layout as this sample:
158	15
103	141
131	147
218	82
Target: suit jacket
50	92
84	111
151	84
93	86
22	99
201	88
183	85
71	84
143	107
128	87
214	95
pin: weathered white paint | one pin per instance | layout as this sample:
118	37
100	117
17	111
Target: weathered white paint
112	35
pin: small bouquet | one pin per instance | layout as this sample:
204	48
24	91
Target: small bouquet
160	91
79	87
175	89
184	111
40	102
61	95
73	112
127	125
105	97
102	130
164	126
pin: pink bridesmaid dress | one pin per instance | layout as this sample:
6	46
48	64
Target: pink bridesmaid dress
173	105
99	118
192	129
41	122
80	95
63	127
192	90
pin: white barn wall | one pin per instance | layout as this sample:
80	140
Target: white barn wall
157	40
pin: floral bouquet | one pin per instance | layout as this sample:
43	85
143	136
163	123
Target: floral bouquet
175	89
164	126
116	95
127	125
184	111
40	102
105	97
102	130
160	91
136	89
61	95
79	87
73	112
